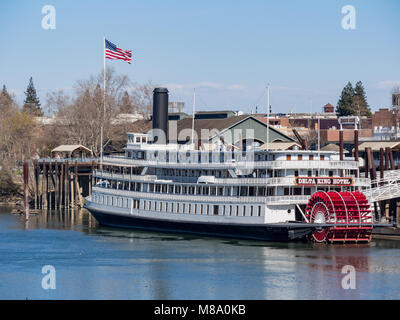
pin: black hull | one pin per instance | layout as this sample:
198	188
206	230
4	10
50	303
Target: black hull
272	232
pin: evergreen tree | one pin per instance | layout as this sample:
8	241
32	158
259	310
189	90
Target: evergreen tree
32	103
7	103
344	106
5	96
353	101
360	104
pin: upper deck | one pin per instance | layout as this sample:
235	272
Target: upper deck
256	159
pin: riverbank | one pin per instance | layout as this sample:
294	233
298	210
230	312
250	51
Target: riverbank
11	187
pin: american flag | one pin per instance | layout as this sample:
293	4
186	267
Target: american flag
114	53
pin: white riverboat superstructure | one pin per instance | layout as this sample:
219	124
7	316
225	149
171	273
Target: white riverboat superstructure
253	193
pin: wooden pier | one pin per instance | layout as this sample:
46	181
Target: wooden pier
62	183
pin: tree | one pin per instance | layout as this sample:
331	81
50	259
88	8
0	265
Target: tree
142	96
7	104
360	105
353	101
32	103
83	115
344	106
17	137
126	105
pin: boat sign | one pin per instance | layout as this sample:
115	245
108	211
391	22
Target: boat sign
331	181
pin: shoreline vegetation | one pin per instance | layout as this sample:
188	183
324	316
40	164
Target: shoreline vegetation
75	118
11	187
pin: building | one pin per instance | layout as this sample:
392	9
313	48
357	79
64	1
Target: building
385	123
71	151
237	131
396	99
328	108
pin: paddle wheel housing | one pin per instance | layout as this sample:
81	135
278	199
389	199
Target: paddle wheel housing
347	214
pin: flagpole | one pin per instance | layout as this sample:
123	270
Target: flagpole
104	106
268	104
193	114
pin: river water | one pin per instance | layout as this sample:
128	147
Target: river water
95	262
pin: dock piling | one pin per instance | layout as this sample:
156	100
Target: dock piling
26	190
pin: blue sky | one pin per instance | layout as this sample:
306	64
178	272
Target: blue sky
227	50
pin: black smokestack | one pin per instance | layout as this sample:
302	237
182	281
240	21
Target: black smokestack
160	115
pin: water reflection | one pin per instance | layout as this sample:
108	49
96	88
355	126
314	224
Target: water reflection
61	219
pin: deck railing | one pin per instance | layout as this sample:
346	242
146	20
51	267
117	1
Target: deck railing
272	200
277	181
278	164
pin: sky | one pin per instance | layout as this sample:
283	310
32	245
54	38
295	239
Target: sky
227	50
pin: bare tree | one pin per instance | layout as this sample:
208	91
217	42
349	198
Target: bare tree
81	117
142	97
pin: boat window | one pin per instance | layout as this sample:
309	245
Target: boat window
311	157
300	157
251	191
216	207
243	191
259	211
244	211
235	191
288	157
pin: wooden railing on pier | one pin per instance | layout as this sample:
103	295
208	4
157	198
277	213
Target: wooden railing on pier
62	183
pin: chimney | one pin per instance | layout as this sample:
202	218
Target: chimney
160	116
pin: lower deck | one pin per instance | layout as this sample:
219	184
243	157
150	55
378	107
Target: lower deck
201	209
265	232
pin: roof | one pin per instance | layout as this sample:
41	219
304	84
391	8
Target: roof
141	126
215	112
377	145
333	147
218	124
280	146
69	148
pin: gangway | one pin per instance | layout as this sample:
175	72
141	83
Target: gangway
384	189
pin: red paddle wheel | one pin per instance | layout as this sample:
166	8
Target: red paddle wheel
347	215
